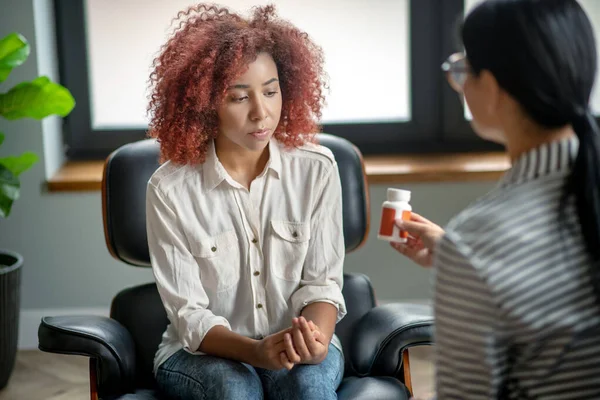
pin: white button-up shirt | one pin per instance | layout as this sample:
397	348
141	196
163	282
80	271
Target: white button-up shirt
249	260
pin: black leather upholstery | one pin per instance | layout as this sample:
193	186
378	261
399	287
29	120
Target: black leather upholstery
355	194
372	388
126	175
382	335
140	310
360	299
99	337
372	337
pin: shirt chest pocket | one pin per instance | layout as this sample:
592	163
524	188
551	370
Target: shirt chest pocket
289	245
218	258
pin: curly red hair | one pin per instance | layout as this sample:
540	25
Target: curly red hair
210	48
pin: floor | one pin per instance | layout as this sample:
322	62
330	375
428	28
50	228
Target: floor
421	371
44	376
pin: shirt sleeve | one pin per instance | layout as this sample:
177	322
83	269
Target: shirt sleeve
322	275
176	273
469	345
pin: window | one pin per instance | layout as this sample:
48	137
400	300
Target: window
120	52
388	94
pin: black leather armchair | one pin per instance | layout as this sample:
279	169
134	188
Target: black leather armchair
121	348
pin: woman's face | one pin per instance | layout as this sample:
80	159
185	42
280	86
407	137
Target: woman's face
251	109
481	93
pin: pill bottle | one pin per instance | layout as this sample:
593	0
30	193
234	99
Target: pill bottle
395	207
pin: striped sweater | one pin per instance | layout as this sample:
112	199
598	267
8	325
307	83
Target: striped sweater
516	317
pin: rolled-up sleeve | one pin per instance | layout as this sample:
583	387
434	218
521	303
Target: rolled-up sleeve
176	273
322	275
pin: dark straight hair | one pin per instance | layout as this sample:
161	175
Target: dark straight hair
543	53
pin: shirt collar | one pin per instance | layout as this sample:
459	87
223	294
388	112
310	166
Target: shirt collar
274	163
214	173
547	159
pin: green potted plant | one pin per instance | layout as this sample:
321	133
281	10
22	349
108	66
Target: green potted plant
37	99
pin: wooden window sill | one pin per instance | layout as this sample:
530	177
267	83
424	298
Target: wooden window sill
87	175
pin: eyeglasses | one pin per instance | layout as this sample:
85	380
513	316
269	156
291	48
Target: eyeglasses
456	69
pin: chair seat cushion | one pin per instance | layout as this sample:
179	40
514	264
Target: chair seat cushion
372	388
140	394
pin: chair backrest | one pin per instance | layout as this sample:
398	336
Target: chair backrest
126	174
128	169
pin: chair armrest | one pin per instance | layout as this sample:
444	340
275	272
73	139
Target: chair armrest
381	336
97	337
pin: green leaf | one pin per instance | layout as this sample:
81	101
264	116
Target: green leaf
18	165
1	138
14	50
9	190
36	99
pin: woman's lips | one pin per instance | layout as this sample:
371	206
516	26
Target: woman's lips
262	134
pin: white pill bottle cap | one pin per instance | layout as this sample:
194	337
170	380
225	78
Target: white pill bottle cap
398	195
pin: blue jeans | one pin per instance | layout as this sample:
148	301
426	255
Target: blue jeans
185	376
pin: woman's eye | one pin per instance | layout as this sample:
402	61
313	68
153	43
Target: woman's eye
271	94
239	99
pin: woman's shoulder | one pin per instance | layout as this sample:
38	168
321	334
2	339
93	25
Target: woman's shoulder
310	153
170	174
503	221
499	209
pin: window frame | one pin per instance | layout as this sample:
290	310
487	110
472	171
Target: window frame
437	118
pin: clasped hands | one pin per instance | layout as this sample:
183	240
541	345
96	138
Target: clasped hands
302	343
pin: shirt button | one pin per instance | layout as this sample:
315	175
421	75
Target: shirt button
259	305
254	240
295	234
213	249
256	273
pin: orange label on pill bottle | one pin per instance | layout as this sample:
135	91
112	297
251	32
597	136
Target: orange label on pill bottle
388	216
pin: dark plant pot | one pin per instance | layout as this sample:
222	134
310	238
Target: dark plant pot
10	296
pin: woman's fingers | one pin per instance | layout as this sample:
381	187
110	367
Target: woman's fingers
292	355
299	343
285	362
